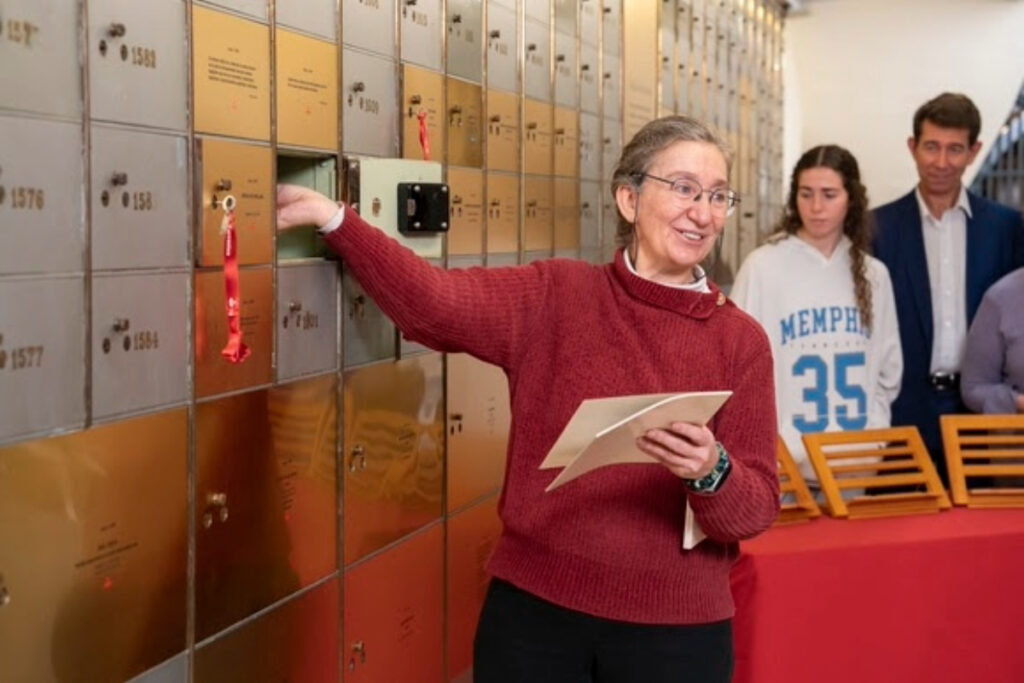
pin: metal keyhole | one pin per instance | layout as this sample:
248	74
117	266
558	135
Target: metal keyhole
357	461
358	307
359	649
216	502
5	596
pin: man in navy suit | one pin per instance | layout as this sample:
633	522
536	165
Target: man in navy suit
944	246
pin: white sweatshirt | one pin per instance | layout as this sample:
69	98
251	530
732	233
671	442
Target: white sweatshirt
831	374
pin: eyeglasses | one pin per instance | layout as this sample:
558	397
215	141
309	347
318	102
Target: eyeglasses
722	202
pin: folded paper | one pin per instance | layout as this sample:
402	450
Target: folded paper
603	431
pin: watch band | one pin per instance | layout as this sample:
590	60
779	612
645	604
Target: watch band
713	481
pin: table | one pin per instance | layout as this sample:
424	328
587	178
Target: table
932	598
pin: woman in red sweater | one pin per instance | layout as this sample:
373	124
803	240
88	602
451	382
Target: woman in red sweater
591	583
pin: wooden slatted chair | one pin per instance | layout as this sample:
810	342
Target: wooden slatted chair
797	502
989	446
865	465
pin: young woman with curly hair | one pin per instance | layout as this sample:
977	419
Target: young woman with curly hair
826	304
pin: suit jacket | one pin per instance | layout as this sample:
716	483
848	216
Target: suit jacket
995	246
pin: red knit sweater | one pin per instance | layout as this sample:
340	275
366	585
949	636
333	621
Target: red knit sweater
608	543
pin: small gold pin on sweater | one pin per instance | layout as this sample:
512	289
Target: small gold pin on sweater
721	299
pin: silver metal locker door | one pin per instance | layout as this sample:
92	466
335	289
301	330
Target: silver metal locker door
590	216
42	355
590	147
590	76
139	342
137	62
611	146
370	26
41	204
612	27
318	17
538	10
612	77
39	54
252	8
140	199
465	33
420	32
174	670
368	334
566	71
537	60
502	50
590	22
307	319
369	96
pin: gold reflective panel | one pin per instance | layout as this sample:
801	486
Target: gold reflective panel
537	126
465	146
214	373
567	214
502	213
640	61
472	535
307	91
231	75
297	642
422	96
567	142
394	451
538	209
502	131
93	551
266	513
466	205
392	621
244	172
478	425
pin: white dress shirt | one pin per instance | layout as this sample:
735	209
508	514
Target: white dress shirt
945	249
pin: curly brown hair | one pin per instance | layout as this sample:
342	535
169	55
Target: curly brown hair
857	224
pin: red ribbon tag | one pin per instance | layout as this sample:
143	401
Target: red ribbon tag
235	351
424	135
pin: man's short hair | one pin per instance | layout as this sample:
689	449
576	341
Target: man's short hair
949	110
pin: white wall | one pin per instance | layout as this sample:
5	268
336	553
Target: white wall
856	70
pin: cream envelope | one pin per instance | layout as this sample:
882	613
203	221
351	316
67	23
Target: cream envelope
603	431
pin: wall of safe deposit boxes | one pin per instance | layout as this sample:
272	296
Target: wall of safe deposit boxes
322	510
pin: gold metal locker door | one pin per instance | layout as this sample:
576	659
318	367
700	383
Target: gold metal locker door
393	458
393	613
472	535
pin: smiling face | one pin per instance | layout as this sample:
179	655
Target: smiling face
942	155
822	202
673	235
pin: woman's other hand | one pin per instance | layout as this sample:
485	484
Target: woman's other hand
298	206
687	450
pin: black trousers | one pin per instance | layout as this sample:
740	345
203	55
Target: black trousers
523	639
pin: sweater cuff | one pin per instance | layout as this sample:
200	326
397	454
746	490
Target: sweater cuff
335	222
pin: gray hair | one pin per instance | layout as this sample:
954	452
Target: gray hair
645	145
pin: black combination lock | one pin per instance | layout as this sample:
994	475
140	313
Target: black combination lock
422	208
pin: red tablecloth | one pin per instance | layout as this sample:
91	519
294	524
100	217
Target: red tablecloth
934	598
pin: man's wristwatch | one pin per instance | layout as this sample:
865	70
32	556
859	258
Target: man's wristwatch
712	481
